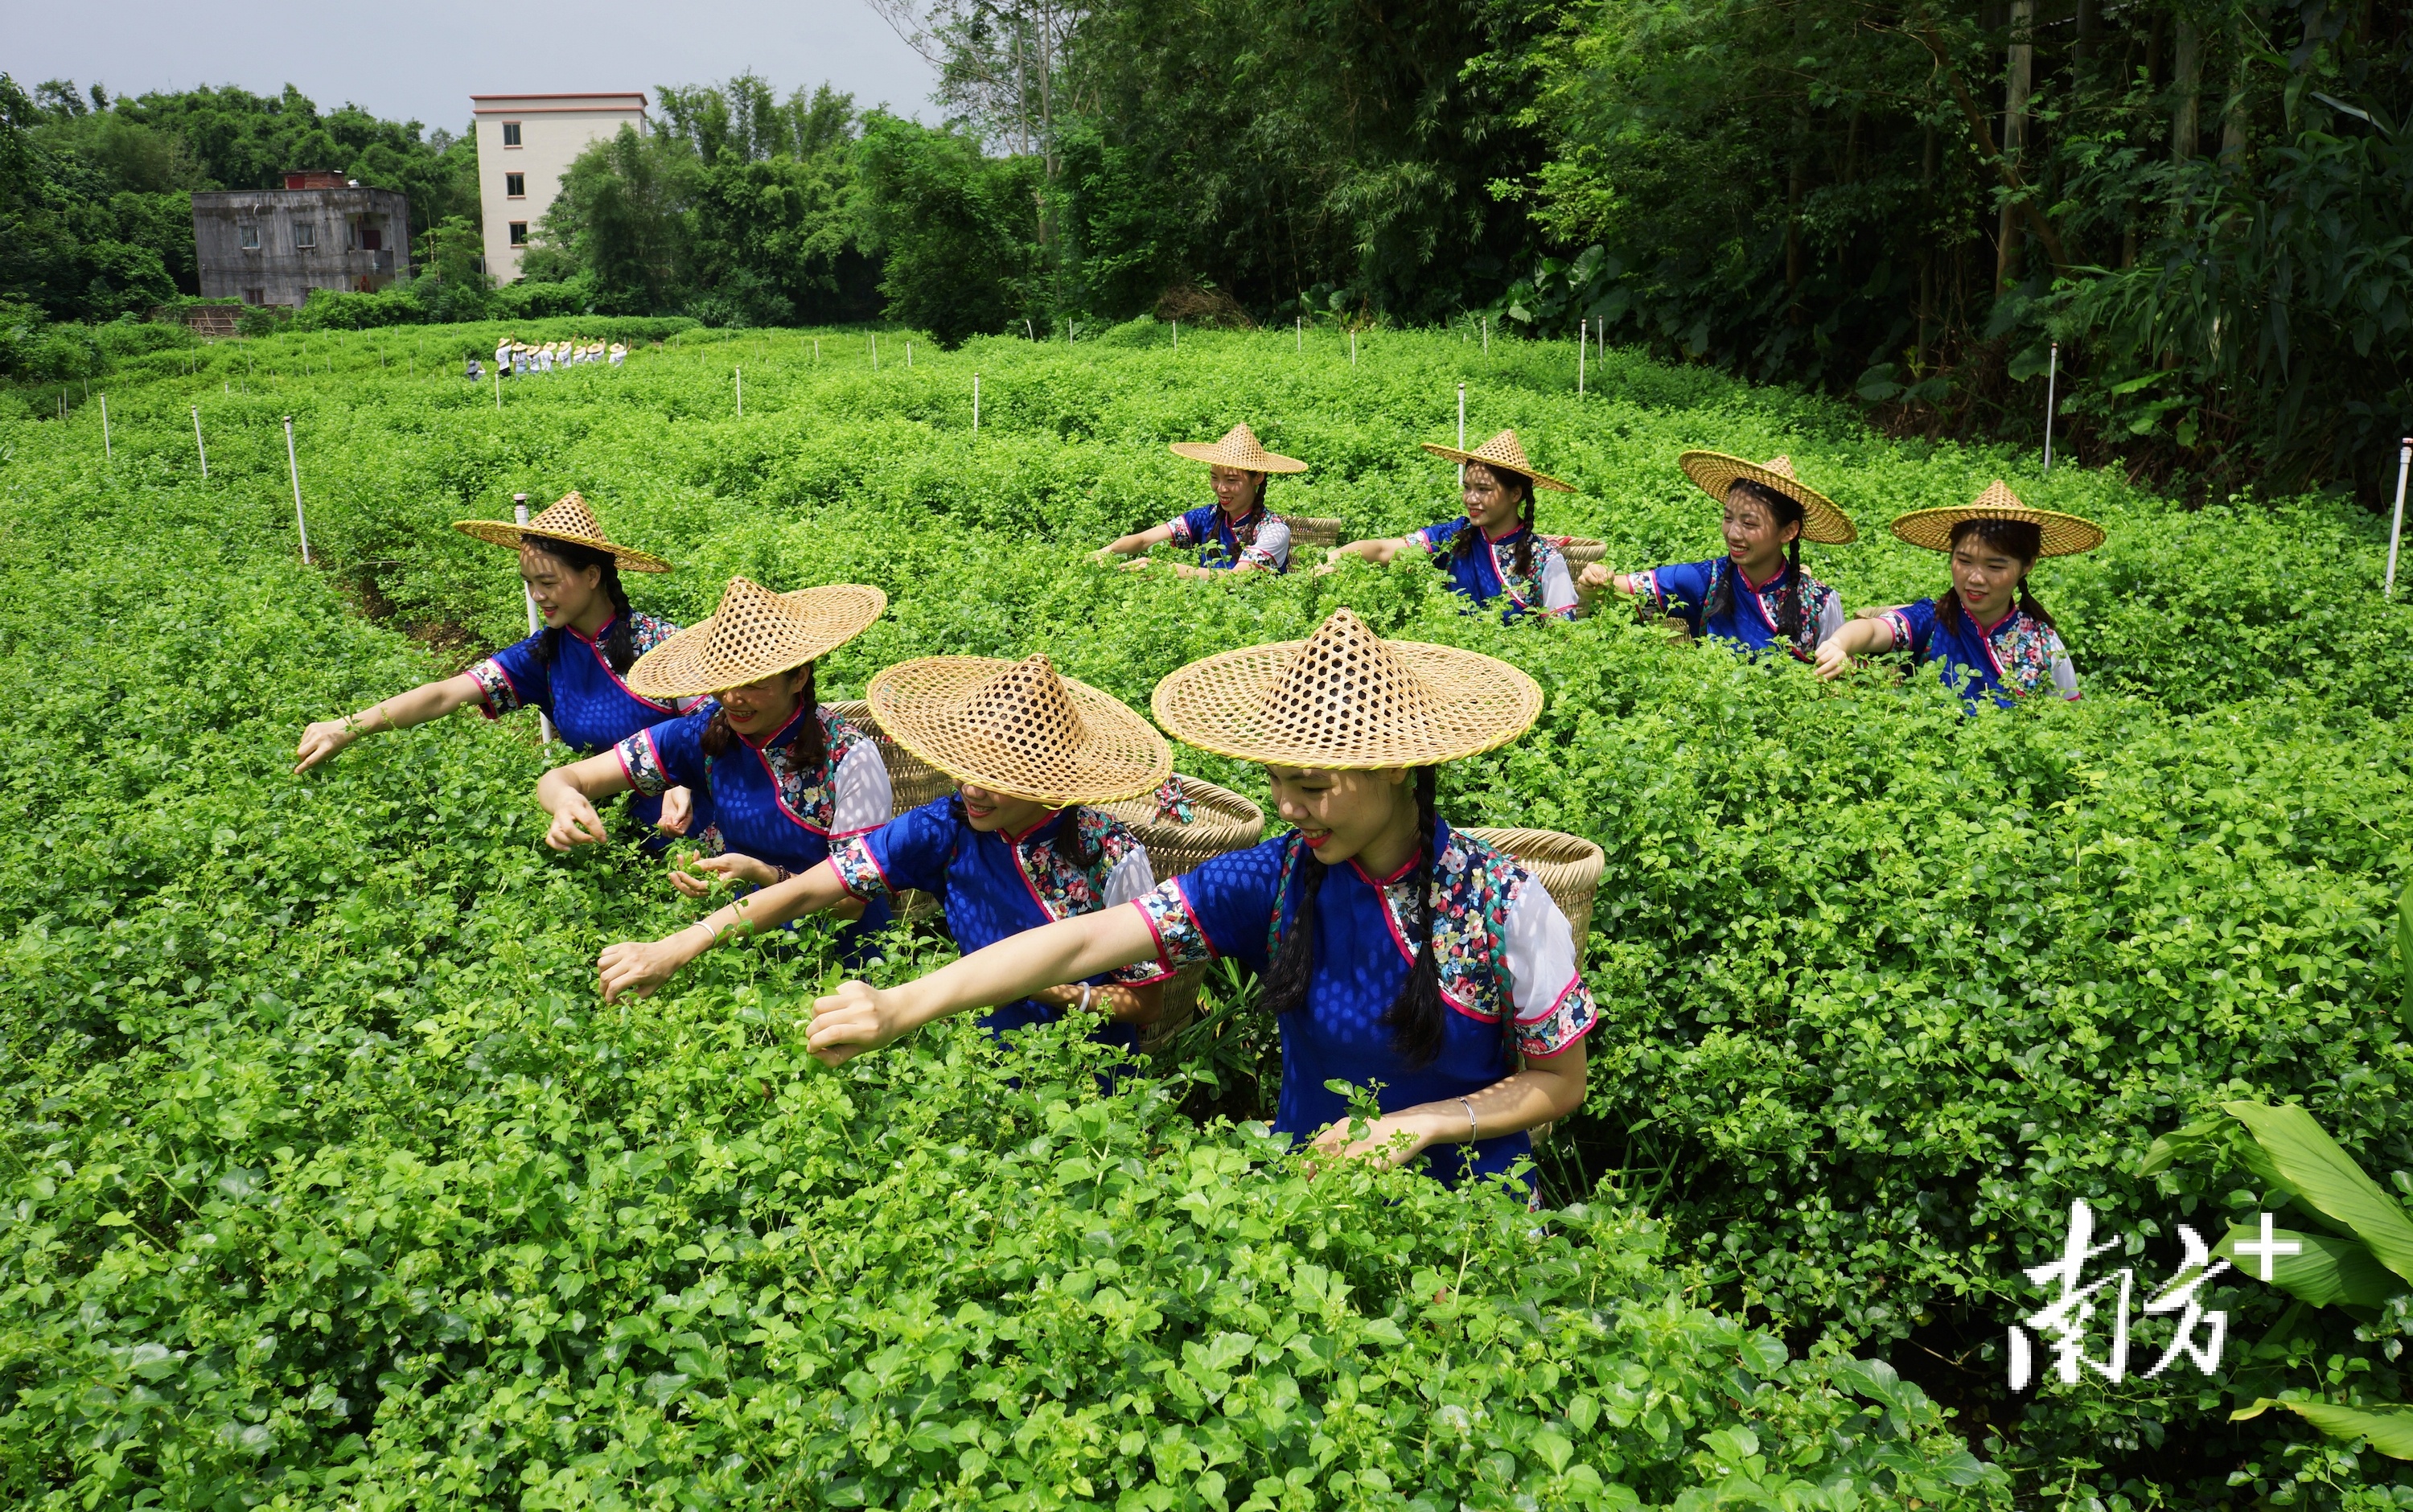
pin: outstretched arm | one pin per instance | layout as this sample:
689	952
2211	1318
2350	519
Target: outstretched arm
428	701
1379	551
1858	638
1542	1091
859	1017
638	969
569	794
1137	542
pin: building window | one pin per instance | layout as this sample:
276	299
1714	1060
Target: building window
250	233
511	133
519	233
515	186
305	236
372	239
255	296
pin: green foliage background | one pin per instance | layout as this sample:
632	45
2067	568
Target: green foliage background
331	1174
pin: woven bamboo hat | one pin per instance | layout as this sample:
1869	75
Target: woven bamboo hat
754	634
1019	728
2065	535
1346	699
1822	520
1502	451
566	519
1238	449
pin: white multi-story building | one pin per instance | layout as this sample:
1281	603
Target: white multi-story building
525	142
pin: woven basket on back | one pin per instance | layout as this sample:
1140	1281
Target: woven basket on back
1568	864
911	781
1312	530
1581	551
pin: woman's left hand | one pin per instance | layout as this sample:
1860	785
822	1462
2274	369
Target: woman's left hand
1137	564
678	811
731	868
1389	1139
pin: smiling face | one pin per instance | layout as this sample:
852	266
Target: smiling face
1755	539
760	709
565	595
1344	815
1494	501
1985	576
1236	488
988	811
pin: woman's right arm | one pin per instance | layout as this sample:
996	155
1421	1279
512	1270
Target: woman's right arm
859	1017
1138	541
569	794
1379	551
1858	638
428	701
638	969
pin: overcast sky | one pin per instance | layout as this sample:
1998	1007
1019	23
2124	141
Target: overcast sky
423	61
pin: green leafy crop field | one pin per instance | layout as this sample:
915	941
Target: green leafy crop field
330	1180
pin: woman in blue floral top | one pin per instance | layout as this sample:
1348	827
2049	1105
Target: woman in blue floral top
1398	954
574	670
1011	848
1759	594
785	776
1491	550
1986	633
1235	533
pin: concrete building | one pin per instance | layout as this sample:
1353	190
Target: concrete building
525	142
272	246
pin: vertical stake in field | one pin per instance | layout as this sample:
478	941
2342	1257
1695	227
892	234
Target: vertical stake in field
1353	349
2052	381
1298	330
739	374
975	403
909	354
1486	335
1583	348
2396	526
875	351
292	466
107	451
536	622
498	386
1461	432
1176	335
197	447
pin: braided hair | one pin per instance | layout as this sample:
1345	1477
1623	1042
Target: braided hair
2019	538
621	646
1507	478
1784	509
1415	1017
808	748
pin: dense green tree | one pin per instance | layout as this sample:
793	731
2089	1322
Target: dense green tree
956	231
75	248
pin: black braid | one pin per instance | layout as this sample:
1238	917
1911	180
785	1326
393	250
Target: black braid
1788	617
1415	1017
1294	964
621	646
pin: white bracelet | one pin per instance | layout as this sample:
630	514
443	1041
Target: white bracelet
1471	1132
1086	990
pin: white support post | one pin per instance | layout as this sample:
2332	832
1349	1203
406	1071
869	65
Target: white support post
975	403
1353	349
107	451
294	466
739	374
1486	335
1298	332
817	349
2052	384
2396	526
1461	432
909	354
875	351
1583	349
202	450
536	622
499	387
1176	335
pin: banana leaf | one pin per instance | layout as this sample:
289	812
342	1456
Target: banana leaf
2327	1271
2389	1429
2326	1179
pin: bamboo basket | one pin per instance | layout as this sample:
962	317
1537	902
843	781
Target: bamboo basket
1580	551
1220	821
1312	531
1567	865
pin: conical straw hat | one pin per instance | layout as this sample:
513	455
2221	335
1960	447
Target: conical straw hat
1019	728
2065	535
1346	699
1822	520
754	634
1502	451
567	519
1238	449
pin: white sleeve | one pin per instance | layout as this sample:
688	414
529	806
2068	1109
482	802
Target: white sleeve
864	798
1272	546
1831	618
1133	877
1558	588
1541	953
2064	675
